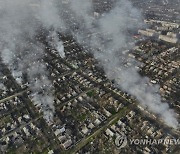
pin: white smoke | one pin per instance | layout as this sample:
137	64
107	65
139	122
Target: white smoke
56	43
20	22
108	37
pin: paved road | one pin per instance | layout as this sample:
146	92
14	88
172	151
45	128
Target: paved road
19	128
108	123
12	96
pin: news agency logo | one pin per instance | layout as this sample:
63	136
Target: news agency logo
121	141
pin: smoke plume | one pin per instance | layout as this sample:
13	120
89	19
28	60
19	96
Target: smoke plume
106	35
20	50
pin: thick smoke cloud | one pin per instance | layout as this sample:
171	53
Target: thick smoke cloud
20	50
106	36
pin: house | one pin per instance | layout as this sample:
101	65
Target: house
67	144
57	132
91	126
62	130
51	152
62	138
26	131
109	132
107	113
85	130
97	122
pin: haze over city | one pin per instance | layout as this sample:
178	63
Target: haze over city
79	76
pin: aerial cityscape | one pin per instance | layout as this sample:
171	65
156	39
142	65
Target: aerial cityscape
89	76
